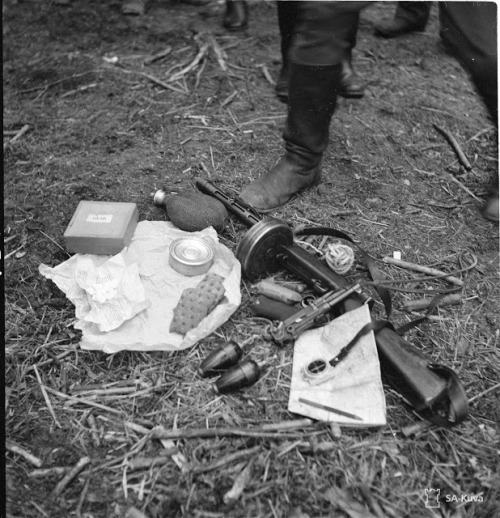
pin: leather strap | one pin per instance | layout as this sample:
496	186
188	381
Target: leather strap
457	399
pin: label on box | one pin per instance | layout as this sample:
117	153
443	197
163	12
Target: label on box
99	218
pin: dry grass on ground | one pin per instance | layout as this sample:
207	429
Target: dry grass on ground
105	125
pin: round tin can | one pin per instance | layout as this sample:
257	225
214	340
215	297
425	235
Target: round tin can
191	256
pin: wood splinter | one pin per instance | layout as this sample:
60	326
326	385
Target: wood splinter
72	473
17	136
14	448
454	144
423	269
415	305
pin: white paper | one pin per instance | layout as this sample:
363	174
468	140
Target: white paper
141	288
356	386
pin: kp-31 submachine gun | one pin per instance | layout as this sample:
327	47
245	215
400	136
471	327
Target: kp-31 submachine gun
269	246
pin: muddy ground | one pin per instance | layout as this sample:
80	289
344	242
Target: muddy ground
106	124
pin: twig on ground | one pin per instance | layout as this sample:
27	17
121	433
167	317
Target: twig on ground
219	53
267	75
39	509
72	473
81	500
422	269
82	88
10	254
158	432
150	77
158	82
463	187
239	485
55	242
147	462
157	56
17	136
107	391
46	397
14	448
454	144
82	401
48	472
49	360
137	427
229	98
482	132
199	74
415	305
228	459
487	391
59	81
93	430
201	54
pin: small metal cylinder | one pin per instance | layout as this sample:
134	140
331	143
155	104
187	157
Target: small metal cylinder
191	256
159	198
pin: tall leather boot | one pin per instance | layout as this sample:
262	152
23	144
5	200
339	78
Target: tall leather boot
236	15
311	104
351	86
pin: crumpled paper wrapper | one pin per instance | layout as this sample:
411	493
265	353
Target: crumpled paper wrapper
105	291
126	302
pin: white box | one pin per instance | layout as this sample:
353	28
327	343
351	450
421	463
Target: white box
101	227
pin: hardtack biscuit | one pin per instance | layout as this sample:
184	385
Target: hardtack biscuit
196	303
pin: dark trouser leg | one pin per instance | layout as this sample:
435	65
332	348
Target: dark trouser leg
319	43
351	86
287	16
469	30
409	17
340	22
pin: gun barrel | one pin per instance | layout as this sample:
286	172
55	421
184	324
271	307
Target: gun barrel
245	213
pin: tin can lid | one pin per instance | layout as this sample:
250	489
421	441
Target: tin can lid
191	251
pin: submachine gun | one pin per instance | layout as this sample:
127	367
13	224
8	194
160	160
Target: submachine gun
269	246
